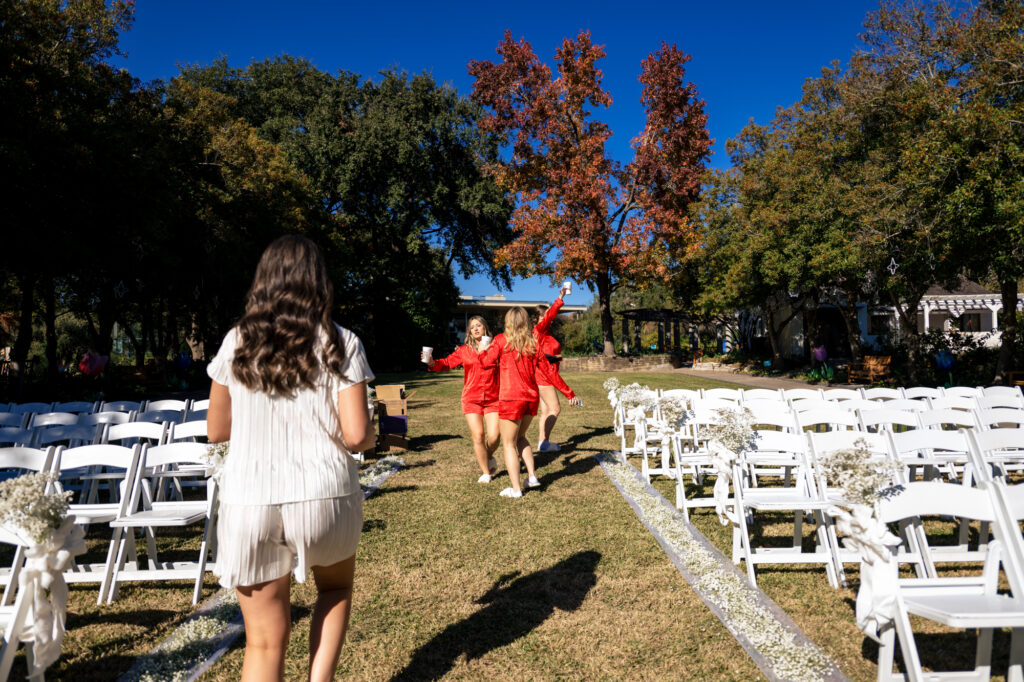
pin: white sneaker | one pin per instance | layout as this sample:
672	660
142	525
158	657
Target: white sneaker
511	492
485	478
492	465
532	482
547	446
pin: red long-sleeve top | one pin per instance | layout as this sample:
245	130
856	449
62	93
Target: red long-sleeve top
480	384
518	371
547	344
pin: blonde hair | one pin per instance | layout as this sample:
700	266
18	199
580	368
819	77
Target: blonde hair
470	341
519	332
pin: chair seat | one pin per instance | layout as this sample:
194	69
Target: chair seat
781	499
966	610
165	514
94	513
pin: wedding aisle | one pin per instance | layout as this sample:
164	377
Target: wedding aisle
454	581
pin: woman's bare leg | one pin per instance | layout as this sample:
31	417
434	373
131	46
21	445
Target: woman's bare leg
493	438
550	408
330	617
523	446
509	441
266	610
476	431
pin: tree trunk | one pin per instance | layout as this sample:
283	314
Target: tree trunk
769	315
50	318
1008	324
138	344
604	297
848	311
907	317
19	354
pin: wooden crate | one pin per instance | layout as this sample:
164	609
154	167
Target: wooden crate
872	369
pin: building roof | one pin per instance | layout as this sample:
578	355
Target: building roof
965	288
499	302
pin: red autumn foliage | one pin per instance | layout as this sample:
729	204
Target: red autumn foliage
580	214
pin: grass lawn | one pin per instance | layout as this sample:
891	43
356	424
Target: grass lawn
454	581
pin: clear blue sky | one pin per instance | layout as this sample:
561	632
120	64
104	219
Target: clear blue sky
748	57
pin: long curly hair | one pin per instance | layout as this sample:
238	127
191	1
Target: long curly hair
519	331
286	336
470	341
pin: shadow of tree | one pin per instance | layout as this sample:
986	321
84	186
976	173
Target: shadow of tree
417	443
515	606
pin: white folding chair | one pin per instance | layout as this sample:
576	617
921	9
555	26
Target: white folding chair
853	404
808	404
1011	394
15	462
906	404
83	459
972	602
953	402
880	393
831	419
947	419
105	418
963	392
13	420
730	394
1000	418
920	392
834	394
172	404
12	435
122	406
203	404
147	515
797	394
748	394
13	617
156	416
29	408
785	451
884	418
1011	401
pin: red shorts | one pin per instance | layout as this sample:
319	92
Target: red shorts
515	410
479	407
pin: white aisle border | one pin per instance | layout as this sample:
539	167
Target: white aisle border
773	641
206	635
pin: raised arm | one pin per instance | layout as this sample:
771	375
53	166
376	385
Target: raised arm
490	357
451	362
549	316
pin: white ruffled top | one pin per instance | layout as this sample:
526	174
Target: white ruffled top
288	448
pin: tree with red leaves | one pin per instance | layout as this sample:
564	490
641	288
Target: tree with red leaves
580	214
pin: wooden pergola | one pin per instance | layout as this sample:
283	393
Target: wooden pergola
671	325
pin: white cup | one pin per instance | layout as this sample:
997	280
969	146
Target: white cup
426	354
485	341
567	287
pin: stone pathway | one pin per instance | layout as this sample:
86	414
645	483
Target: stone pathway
752	380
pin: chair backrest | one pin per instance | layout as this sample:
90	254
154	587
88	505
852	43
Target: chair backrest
173	416
952	402
841	394
105	454
908	446
135	432
776	442
1010	391
105	418
883	417
76	406
906	404
963	392
13	419
29	459
175	453
187	430
121	406
853	404
52	419
29	408
938	418
830	441
196	416
934	498
166	404
1000	440
881	393
1000	400
15	435
772	416
919	392
712	404
795	394
72	436
731	394
204	404
808	404
1000	417
833	418
749	394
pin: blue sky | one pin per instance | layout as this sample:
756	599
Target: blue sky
748	57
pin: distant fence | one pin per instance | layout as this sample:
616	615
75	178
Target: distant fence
600	363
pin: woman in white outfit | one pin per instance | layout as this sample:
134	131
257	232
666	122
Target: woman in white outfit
289	390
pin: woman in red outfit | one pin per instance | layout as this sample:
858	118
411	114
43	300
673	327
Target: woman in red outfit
550	407
517	356
479	395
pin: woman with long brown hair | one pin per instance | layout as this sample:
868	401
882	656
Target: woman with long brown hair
289	390
479	394
516	353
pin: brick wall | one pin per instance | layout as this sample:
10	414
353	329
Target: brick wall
600	363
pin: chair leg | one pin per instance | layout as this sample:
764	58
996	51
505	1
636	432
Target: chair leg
983	655
908	646
887	655
1014	673
11	588
114	554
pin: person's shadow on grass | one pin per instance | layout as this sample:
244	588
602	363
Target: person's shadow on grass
515	606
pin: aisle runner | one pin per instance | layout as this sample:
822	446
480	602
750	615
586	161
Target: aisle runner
207	634
774	642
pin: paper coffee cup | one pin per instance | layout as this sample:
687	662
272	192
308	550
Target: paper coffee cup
425	354
485	341
567	285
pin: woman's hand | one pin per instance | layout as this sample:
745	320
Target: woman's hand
356	425
575	401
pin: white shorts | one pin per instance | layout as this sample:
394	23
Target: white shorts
260	543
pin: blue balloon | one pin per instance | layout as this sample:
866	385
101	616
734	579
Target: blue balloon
945	360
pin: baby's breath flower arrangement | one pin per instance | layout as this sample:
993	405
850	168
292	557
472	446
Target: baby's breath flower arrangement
612	386
673	411
216	457
27	504
730	436
864	481
634	395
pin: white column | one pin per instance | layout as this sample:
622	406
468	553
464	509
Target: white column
995	308
927	309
